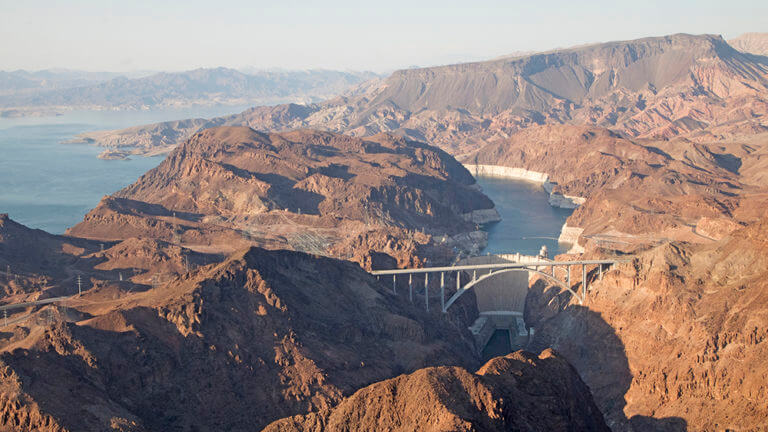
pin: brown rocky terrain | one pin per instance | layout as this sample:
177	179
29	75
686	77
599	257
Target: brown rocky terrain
674	340
752	43
697	87
641	192
229	346
229	187
35	265
517	392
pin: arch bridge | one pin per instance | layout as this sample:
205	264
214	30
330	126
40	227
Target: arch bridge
544	268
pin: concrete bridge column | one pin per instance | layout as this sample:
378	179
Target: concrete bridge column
442	291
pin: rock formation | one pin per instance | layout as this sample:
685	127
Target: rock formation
36	265
229	346
516	392
674	340
229	187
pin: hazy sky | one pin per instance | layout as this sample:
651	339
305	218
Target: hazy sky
335	34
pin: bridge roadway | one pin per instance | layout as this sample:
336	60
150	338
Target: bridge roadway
496	269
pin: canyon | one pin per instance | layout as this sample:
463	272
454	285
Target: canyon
199	314
249	339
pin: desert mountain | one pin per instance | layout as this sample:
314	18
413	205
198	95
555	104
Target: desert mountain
752	43
674	340
516	392
230	346
22	91
680	85
316	191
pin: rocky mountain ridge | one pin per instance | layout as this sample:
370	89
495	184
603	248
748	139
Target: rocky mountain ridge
234	345
321	192
516	392
698	87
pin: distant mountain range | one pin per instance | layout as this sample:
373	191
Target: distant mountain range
695	86
24	93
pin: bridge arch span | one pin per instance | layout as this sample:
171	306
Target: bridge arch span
492	273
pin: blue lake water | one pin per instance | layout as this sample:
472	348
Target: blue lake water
527	220
49	185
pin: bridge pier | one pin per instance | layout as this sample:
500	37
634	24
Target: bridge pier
410	287
394	284
426	291
442	291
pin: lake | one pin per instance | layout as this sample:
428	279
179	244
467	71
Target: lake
49	185
527	219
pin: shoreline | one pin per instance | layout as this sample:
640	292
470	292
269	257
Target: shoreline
568	234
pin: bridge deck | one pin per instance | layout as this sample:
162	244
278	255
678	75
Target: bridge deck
496	266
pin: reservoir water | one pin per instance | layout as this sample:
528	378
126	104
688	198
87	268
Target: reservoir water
49	185
527	220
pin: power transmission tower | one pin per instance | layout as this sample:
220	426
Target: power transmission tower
79	286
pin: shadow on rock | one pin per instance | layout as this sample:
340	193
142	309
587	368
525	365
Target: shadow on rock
592	346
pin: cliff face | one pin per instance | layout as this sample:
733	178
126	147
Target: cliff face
678	85
516	392
233	186
676	338
231	346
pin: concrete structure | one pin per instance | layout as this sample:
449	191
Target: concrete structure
476	273
500	284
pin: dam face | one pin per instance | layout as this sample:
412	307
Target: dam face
500	328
